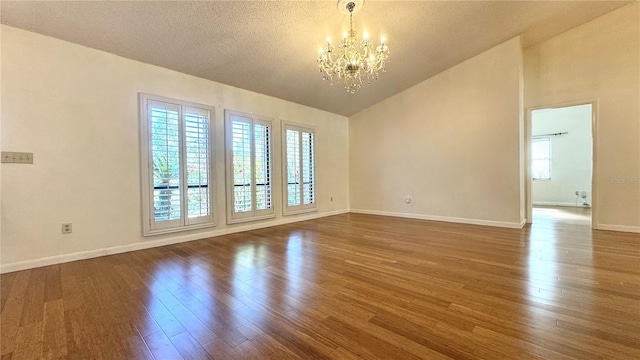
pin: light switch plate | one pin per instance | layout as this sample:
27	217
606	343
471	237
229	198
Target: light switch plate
10	157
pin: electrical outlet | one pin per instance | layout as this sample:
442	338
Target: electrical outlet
16	157
66	228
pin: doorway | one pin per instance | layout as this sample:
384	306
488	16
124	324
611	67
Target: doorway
561	170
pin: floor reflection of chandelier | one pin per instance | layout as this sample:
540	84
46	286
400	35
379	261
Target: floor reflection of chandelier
357	61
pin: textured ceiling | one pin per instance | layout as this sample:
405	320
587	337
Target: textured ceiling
270	47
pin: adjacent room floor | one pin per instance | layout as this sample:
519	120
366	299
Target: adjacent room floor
562	215
342	287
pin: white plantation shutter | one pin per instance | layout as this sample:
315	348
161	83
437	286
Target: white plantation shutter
262	156
293	167
241	150
197	152
176	157
307	168
164	129
299	169
248	167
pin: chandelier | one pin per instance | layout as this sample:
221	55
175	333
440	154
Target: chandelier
357	62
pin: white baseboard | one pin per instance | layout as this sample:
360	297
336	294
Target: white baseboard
504	224
554	203
59	259
623	228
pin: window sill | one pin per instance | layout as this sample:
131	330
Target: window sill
178	229
299	211
249	219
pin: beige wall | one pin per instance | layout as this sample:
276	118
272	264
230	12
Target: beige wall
76	109
599	61
453	143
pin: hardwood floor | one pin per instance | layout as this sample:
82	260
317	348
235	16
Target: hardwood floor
562	214
343	287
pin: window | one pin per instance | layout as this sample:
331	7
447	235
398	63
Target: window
248	167
176	148
541	158
298	169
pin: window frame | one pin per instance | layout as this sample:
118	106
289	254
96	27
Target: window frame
150	226
302	207
234	217
546	139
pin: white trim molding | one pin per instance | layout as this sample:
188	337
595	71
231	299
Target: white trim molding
553	203
623	228
152	225
504	224
82	255
252	122
301	207
595	143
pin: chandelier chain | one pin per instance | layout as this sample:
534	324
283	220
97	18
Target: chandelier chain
351	17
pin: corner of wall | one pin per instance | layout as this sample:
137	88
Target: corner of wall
557	73
447	122
1	28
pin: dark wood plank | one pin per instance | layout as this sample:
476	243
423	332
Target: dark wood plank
53	284
6	282
161	347
189	347
54	337
219	349
28	341
12	312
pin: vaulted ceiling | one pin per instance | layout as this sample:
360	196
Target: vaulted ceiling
271	47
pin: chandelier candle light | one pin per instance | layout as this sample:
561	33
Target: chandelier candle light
356	61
